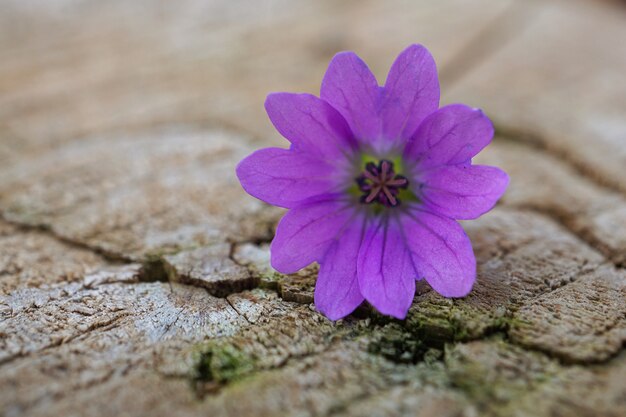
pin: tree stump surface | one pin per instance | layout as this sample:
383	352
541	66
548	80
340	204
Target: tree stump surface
134	270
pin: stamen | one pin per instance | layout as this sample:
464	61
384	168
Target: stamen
379	183
390	197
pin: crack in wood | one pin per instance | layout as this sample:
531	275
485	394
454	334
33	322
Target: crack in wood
537	141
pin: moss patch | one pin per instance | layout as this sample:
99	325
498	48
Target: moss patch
267	280
220	364
393	342
495	374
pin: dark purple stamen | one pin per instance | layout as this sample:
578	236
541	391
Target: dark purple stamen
380	184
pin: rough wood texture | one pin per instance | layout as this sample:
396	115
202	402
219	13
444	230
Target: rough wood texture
134	271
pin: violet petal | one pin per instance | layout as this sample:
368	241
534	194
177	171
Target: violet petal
285	178
304	234
411	93
441	252
452	135
337	291
463	191
351	88
310	124
385	270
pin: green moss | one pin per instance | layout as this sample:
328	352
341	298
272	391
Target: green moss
504	323
441	324
222	363
429	325
498	376
396	344
268	280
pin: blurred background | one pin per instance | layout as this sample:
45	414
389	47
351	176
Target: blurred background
74	68
92	91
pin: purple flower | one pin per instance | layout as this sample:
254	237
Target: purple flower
374	181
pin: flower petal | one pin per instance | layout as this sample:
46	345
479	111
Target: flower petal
304	234
441	252
285	178
386	273
310	124
337	291
452	135
351	88
463	191
411	93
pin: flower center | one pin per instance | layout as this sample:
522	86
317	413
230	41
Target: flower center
380	184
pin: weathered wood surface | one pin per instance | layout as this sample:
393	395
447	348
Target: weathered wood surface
134	274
